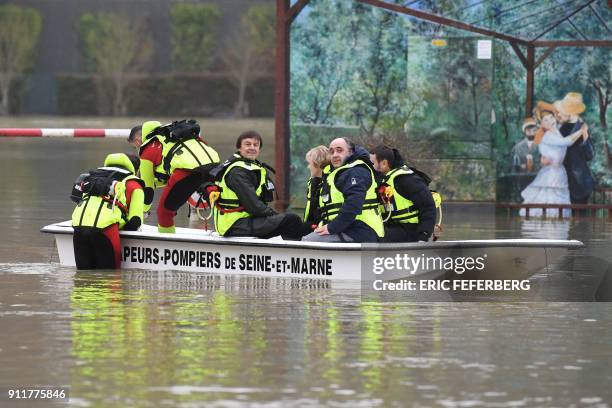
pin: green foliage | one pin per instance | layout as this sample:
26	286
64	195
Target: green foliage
350	70
457	97
508	103
113	43
20	29
382	74
599	165
194	28
249	52
467	179
260	24
598	74
320	62
358	66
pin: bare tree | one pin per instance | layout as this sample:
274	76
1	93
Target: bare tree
249	53
20	29
598	76
603	90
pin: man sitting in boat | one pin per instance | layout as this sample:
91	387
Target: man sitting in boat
317	159
412	208
245	189
174	156
348	205
112	200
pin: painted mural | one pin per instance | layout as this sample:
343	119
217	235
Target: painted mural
453	102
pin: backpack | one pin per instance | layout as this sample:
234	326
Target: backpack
427	180
422	175
179	131
98	182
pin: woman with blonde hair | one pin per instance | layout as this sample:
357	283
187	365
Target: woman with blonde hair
317	159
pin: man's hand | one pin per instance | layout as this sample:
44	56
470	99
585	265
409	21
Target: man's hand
545	161
322	230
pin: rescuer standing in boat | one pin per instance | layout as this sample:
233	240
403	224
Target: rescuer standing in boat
245	189
174	156
135	137
413	210
112	200
348	204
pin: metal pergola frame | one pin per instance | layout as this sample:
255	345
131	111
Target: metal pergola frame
286	14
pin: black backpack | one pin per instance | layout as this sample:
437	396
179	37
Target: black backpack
98	182
422	175
179	131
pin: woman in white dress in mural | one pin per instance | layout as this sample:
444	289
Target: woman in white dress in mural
550	185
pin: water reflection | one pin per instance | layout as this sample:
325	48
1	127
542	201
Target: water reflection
142	338
545	229
193	339
175	328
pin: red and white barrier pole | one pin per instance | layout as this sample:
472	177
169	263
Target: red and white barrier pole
58	132
20	132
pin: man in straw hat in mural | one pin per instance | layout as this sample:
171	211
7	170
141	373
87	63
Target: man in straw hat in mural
579	176
550	185
525	154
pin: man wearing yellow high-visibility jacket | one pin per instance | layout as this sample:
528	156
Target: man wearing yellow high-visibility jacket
112	199
245	191
348	204
412	208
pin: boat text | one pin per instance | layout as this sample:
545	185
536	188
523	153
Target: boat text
214	261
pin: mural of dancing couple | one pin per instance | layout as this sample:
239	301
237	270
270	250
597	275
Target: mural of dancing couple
554	155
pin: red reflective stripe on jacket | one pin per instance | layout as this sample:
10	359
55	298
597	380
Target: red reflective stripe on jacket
153	153
129	189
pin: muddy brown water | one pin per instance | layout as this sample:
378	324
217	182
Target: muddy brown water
144	338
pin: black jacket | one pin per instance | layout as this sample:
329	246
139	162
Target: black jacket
353	183
414	188
245	183
579	177
313	217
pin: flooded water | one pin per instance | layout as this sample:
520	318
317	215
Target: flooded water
150	339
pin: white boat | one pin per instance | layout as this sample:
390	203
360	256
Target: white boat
196	250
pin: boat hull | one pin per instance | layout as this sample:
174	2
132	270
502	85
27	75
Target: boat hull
201	251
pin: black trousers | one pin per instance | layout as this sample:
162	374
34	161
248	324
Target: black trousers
93	249
287	225
306	228
400	233
181	191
